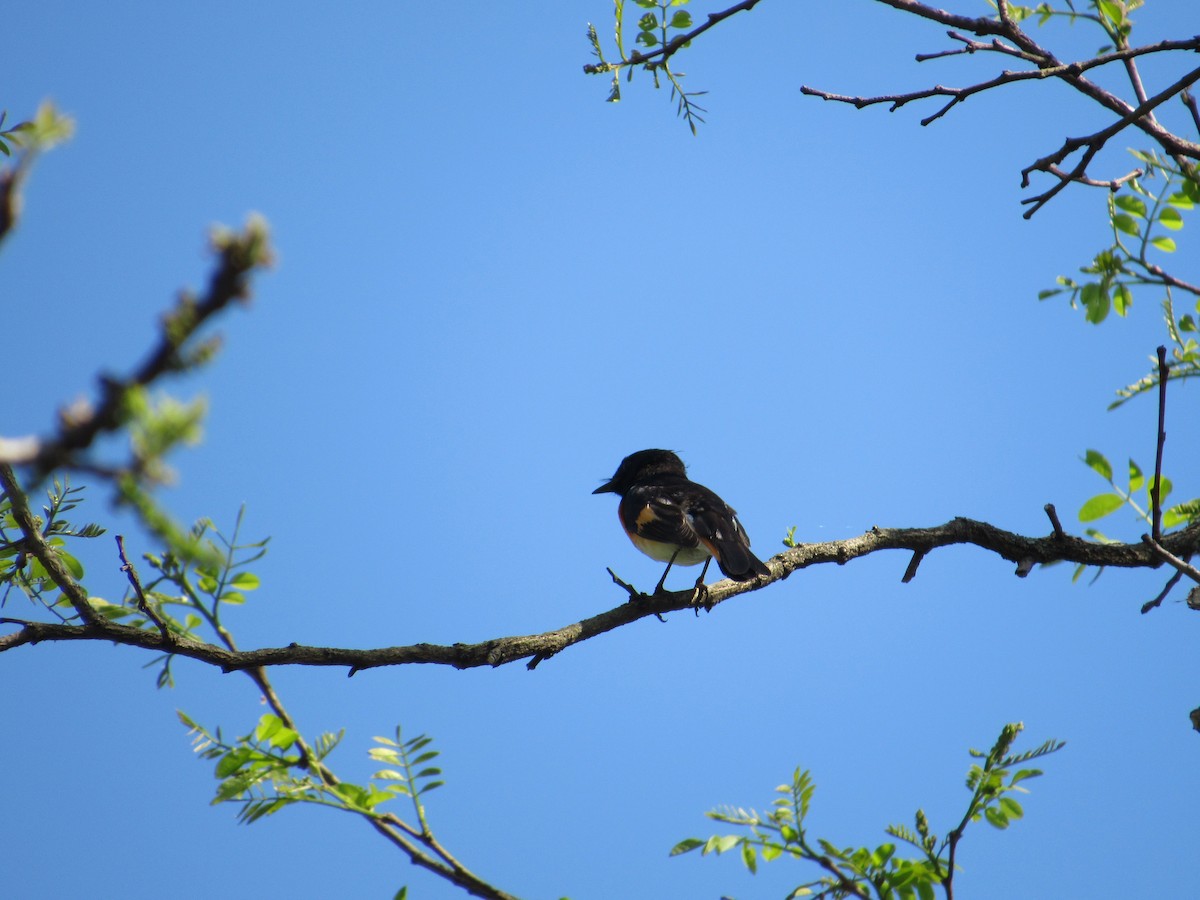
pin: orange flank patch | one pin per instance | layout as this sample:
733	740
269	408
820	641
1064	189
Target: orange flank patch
645	516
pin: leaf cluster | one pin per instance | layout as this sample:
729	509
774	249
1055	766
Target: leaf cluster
875	871
19	569
661	31
191	586
269	769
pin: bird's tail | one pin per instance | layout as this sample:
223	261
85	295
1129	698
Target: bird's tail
737	562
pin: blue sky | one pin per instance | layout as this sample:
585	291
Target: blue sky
491	287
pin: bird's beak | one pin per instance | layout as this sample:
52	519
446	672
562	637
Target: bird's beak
605	489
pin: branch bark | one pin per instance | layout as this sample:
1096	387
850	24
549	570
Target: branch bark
1024	552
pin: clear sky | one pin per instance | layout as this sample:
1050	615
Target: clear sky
491	287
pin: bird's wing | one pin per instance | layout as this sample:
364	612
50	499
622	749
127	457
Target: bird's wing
657	515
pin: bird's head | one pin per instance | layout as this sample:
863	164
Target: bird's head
639	466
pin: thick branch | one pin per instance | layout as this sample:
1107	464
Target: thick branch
1024	552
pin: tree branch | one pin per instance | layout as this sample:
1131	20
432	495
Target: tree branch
37	546
667	50
1024	552
79	426
1017	43
1092	144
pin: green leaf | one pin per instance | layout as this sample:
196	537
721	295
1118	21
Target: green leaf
1180	200
74	566
728	842
1122	299
1181	513
268	725
1135	477
995	817
1095	301
1126	224
1170	218
1100	506
245	581
1132	204
1112	10
401	894
749	857
1012	809
681	20
1096	460
1165	244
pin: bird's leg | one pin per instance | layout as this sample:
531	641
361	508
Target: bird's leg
701	597
658	588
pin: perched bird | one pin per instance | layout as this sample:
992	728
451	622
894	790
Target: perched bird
677	521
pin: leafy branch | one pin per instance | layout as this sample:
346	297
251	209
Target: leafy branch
663	33
876	871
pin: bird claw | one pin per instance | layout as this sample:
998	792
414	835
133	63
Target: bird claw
701	598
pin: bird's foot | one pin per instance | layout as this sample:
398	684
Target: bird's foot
701	598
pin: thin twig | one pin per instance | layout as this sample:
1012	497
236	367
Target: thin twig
1168	557
142	604
1162	595
1156	490
911	572
667	50
1092	144
1190	102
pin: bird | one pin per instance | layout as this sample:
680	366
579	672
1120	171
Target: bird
677	521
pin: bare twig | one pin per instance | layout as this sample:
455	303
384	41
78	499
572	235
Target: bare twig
1010	40
1092	144
1162	595
1156	488
1052	514
911	572
1190	102
1112	184
1168	557
138	592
